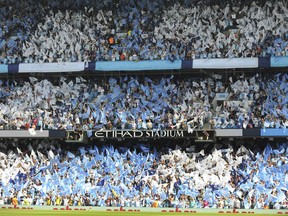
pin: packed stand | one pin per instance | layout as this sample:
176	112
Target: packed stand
74	31
142	103
225	177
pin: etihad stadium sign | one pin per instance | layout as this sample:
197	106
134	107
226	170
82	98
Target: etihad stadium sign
141	134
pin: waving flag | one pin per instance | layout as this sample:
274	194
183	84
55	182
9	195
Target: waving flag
87	114
267	152
2	43
11	43
70	155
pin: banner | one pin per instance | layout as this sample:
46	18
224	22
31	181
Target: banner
137	65
141	134
272	132
24	133
279	61
225	63
3	68
229	132
217	63
52	67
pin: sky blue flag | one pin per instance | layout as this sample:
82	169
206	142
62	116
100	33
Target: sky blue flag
116	154
89	165
260	188
145	190
118	48
273	111
97	115
137	82
82	150
144	148
281	196
89	133
267	152
87	114
280	150
246	186
112	81
124	21
103	119
277	41
116	93
2	43
74	103
6	191
284	167
144	51
131	83
159	44
11	43
130	44
136	47
70	155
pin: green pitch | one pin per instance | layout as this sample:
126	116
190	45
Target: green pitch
12	212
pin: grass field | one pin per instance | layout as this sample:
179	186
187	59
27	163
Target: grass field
12	212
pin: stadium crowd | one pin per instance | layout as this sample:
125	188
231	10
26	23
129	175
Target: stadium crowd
41	173
142	103
70	31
